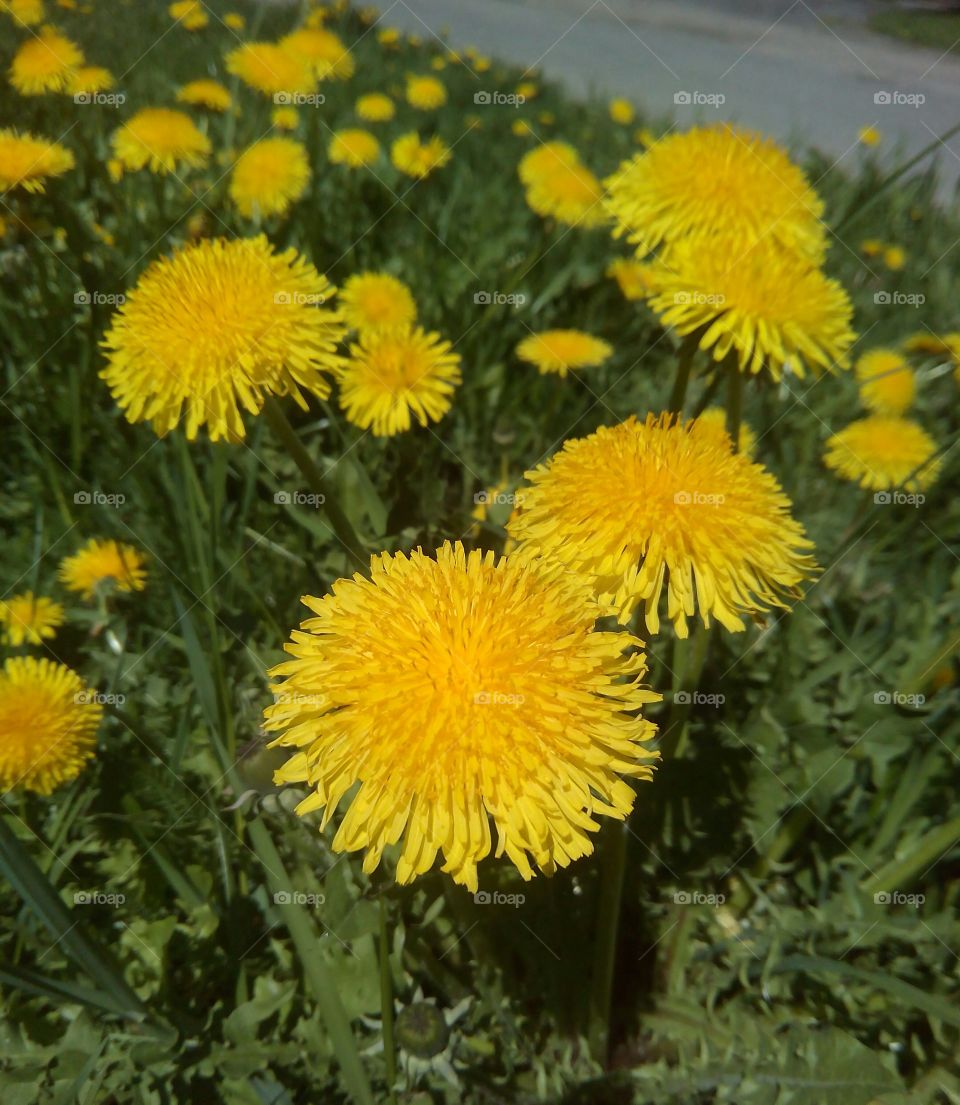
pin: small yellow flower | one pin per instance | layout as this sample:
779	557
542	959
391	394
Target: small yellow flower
375	107
528	90
887	382
161	140
882	453
29	619
235	21
425	93
90	79
558	351
269	68
872	247
285	118
323	51
869	136
559	186
44	63
28	162
521	128
621	111
369	300
438	64
205	93
395	374
190	14
269	176
632	277
388	36
28	13
894	257
48	725
923	341
353	147
100	563
644	136
419	159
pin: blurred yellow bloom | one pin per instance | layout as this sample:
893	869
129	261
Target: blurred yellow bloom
425	93
894	257
27	161
369	300
388	36
102	562
205	93
285	118
416	158
438	63
887	382
29	619
235	21
323	51
27	12
271	69
869	136
269	176
353	147
161	140
883	453
559	351
632	277
715	420
871	247
190	14
559	186
374	107
90	79
521	128
621	111
44	63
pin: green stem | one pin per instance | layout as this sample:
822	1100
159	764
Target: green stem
682	378
690	655
318	484
613	866
386	1001
734	402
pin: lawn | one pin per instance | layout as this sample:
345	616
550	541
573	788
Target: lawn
504	827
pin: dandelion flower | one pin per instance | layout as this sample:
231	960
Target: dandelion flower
634	506
713	180
374	107
558	351
323	51
394	373
425	93
930	344
104	562
28	162
882	453
161	140
715	419
269	68
501	700
373	299
560	187
419	159
28	13
869	136
285	118
29	619
355	148
632	277
872	247
89	80
44	63
234	21
190	14
546	158
215	327
887	382
764	305
48	725
205	93
894	257
269	176
621	111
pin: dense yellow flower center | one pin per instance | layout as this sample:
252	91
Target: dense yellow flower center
560	350
882	453
103	562
269	176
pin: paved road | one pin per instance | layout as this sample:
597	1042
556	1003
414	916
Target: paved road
803	72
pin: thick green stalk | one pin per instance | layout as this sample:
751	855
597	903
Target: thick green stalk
681	380
734	402
386	1000
613	867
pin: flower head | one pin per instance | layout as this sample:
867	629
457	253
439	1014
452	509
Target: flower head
235	21
48	724
621	111
425	93
635	505
28	13
716	180
882	453
269	176
394	372
419	159
762	303
869	136
90	79
161	140
190	14
559	186
29	619
375	107
100	563
632	277
353	147
29	162
215	327
44	63
501	702
271	69
205	93
887	382
372	299
325	53
560	350
285	118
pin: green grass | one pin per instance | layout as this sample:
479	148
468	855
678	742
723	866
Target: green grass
794	802
940	31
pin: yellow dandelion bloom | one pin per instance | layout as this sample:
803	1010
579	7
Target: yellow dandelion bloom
388	36
869	136
634	506
438	64
763	304
28	162
285	118
715	419
190	14
521	128
234	21
419	159
269	176
425	93
161	140
882	453
887	382
894	257
325	53
502	702
219	325
930	344
632	277
394	373
353	147
28	13
44	63
716	180
369	300
547	118
558	351
90	79
545	159
29	619
48	725
104	563
375	107
559	186
205	93
529	90
872	247
621	111
269	68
